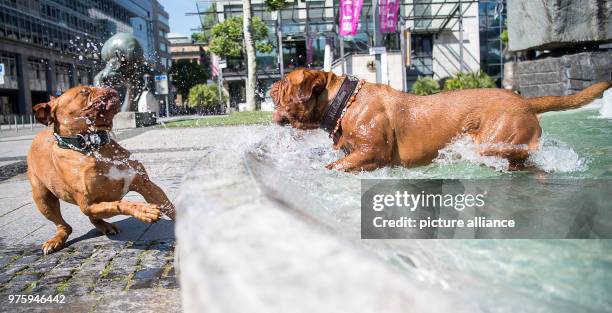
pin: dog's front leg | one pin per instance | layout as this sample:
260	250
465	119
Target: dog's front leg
148	213
358	161
151	192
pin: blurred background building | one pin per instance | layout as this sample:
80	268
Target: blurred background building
48	46
182	47
445	37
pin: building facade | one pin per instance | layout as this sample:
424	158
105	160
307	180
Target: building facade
182	47
445	37
161	28
49	46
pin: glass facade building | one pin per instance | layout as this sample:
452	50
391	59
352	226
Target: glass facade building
492	20
435	27
48	46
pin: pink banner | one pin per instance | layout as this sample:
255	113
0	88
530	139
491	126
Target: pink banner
382	15
388	13
350	13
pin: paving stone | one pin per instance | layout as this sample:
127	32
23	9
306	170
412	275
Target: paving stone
4	278
15	287
14	268
26	277
26	260
109	286
168	282
4	260
145	278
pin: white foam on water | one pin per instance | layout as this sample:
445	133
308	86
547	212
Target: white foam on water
556	156
464	148
552	155
606	106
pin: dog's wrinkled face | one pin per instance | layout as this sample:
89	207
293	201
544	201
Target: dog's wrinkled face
295	98
82	109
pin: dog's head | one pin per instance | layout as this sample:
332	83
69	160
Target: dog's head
82	109
296	98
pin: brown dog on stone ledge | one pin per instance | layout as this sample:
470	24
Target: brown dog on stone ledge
76	161
378	126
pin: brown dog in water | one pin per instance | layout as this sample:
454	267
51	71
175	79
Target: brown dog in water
76	161
378	126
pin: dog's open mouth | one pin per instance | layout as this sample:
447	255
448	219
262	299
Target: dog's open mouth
108	102
104	108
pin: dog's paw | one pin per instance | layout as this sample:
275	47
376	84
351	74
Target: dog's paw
107	229
52	245
330	166
148	213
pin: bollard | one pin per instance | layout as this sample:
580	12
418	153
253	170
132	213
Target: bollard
31	124
16	126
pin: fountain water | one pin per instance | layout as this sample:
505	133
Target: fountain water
242	255
496	275
606	107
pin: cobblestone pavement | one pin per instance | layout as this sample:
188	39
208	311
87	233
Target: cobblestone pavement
95	277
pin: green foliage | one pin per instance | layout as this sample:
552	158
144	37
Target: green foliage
186	74
227	38
200	36
469	80
425	86
205	96
504	34
275	5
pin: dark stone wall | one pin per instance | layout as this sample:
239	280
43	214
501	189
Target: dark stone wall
552	24
565	75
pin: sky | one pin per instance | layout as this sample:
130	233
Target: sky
179	22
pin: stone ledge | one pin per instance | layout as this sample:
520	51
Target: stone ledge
243	251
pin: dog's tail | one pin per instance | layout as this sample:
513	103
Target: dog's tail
545	104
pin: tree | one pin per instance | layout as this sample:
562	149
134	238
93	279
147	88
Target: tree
204	96
275	5
186	74
249	45
233	38
227	37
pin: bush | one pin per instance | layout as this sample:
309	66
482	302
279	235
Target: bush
204	96
468	81
425	86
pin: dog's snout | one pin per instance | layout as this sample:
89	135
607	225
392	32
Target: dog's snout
279	118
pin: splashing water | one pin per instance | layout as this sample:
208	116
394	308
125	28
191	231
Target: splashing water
464	149
606	107
493	275
556	156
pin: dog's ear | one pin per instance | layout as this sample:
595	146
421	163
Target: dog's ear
313	84
42	112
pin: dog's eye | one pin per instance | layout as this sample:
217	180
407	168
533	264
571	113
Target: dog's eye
84	91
